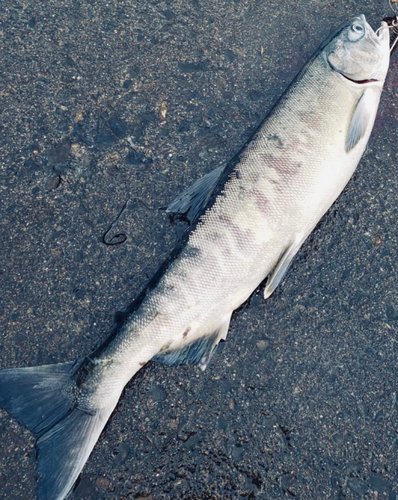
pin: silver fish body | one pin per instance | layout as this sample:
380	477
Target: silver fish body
282	183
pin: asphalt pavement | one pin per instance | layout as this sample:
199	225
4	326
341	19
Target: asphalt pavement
107	111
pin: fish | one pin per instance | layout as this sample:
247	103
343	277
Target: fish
248	221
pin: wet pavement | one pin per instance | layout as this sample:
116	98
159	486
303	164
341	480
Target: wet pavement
122	104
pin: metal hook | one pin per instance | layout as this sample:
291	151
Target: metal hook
382	28
393	26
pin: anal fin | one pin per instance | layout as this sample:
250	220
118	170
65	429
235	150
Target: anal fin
283	265
198	352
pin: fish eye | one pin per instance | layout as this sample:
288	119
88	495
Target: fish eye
357	28
356	32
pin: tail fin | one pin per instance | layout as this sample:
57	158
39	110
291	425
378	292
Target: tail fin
43	399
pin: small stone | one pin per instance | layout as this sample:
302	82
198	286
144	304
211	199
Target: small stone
102	483
79	116
112	159
77	150
262	345
163	110
53	182
339	439
221	82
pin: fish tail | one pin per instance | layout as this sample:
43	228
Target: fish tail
44	399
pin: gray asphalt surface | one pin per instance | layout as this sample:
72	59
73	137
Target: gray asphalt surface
300	402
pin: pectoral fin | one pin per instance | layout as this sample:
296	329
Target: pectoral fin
193	199
284	264
360	119
198	352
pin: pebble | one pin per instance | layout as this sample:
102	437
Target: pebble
262	345
53	182
102	483
112	159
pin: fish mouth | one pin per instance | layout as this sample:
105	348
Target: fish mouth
359	82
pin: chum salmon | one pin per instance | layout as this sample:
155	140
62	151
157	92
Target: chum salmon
248	222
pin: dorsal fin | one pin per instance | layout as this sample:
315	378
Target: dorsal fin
194	198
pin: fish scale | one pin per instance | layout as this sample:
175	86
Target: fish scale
257	213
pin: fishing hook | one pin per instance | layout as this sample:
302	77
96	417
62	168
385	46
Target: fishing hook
394	27
118	238
394	22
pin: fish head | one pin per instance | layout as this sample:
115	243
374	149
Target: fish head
358	53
